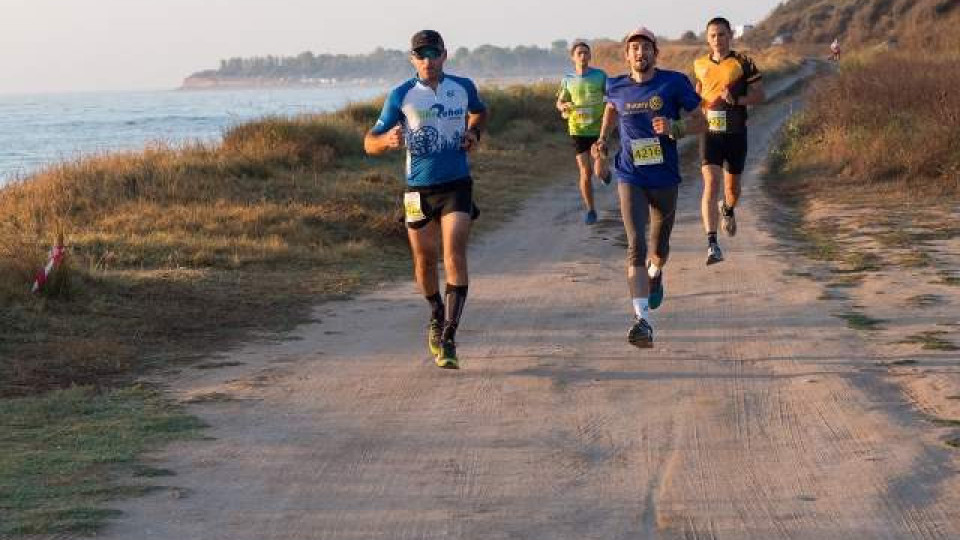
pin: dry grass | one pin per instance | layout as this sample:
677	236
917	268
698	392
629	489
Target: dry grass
859	23
874	135
177	251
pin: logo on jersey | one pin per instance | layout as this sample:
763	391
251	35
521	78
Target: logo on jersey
438	111
425	140
653	104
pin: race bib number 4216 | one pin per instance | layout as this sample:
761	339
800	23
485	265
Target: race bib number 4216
646	151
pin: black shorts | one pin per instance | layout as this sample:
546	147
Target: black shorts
582	144
421	205
728	150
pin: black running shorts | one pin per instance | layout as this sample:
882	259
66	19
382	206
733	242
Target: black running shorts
421	205
727	150
582	144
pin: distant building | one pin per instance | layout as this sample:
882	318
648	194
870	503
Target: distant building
741	29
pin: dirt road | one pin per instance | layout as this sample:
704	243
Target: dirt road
757	414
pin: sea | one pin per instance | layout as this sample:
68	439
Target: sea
38	130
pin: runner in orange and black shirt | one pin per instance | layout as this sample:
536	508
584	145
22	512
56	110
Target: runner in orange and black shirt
727	81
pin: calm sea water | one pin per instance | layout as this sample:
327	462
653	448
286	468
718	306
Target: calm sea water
39	129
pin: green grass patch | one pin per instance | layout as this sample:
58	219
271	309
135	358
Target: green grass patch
854	262
945	422
860	321
931	340
948	278
915	258
925	300
64	452
953	442
904	362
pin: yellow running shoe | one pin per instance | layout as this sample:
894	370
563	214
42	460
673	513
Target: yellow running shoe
447	358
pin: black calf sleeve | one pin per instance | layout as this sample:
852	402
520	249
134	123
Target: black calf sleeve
456	298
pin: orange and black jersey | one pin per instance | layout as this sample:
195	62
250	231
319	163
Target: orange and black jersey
736	72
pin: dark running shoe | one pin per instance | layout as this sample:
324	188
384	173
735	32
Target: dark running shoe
728	222
447	357
590	218
641	334
656	290
714	254
433	336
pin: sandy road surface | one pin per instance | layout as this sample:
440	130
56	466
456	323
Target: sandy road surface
757	414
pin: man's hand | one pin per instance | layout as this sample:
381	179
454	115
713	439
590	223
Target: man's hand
661	126
599	148
469	140
728	96
393	139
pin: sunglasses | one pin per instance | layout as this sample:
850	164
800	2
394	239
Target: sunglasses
427	52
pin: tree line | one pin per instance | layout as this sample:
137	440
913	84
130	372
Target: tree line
483	61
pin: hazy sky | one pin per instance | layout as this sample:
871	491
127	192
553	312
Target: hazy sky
68	45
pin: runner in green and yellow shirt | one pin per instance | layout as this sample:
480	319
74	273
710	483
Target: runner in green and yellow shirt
580	101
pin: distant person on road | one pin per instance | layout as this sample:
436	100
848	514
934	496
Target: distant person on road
440	117
646	106
728	81
835	50
580	101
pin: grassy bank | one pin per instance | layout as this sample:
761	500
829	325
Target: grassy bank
868	181
177	252
865	133
64	453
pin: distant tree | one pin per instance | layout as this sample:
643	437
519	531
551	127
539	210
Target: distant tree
559	47
689	35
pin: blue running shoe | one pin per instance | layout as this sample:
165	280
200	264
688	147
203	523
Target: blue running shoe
656	290
590	218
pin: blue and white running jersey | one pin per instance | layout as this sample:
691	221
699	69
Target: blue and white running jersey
433	126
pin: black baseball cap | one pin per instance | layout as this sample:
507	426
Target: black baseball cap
426	38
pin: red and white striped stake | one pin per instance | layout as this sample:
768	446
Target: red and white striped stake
57	254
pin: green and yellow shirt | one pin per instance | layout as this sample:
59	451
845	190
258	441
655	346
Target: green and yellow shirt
586	93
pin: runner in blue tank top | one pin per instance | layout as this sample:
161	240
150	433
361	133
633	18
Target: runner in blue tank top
646	105
440	118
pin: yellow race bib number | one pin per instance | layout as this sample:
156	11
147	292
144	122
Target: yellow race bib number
412	208
717	121
646	151
583	116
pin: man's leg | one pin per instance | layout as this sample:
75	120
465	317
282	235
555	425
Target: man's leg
735	154
731	189
455	231
634	211
425	245
586	186
663	211
712	176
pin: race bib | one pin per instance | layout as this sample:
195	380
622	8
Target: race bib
583	116
717	121
412	209
646	151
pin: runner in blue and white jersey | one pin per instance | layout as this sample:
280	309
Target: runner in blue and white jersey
647	105
440	117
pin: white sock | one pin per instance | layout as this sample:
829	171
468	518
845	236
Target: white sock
641	306
653	270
